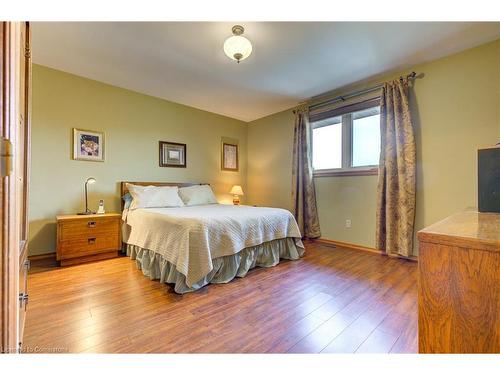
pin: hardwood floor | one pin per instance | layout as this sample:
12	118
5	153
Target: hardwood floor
331	301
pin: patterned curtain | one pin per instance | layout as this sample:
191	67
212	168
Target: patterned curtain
303	193
396	179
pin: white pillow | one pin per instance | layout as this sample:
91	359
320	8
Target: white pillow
154	196
197	194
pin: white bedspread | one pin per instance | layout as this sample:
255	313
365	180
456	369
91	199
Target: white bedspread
190	237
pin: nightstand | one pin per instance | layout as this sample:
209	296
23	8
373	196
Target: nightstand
85	238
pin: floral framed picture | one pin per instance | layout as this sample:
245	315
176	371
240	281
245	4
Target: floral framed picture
88	145
229	158
173	154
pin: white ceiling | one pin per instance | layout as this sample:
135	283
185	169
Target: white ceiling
184	62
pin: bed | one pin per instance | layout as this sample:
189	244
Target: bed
193	246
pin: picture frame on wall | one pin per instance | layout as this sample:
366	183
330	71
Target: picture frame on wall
229	158
173	154
88	145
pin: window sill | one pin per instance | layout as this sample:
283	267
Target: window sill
346	172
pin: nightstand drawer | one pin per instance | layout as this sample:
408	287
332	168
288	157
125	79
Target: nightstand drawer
82	246
88	227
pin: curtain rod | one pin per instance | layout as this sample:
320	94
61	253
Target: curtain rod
342	98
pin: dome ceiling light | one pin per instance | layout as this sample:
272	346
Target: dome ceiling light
237	47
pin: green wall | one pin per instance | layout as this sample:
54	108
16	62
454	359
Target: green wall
456	108
270	160
133	124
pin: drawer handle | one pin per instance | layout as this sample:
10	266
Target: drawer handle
91	224
91	241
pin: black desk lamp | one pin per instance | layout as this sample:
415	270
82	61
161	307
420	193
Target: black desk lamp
90	180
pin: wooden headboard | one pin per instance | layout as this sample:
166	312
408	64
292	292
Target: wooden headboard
124	190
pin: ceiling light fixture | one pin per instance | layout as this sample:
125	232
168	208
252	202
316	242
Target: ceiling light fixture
237	47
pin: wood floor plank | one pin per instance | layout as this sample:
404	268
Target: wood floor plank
333	299
356	333
317	340
408	340
294	334
378	342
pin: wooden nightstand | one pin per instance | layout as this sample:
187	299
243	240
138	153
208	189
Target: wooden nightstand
85	238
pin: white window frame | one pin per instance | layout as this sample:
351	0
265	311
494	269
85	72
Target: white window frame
347	169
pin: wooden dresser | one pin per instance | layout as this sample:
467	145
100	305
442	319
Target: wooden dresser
459	285
84	238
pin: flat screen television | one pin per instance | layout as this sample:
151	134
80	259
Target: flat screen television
489	179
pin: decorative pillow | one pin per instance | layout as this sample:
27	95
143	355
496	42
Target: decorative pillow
127	199
154	196
196	195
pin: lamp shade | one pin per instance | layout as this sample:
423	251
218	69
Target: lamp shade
237	47
236	190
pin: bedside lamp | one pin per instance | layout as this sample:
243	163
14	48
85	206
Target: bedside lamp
236	191
90	180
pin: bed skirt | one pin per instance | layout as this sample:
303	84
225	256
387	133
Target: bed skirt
224	269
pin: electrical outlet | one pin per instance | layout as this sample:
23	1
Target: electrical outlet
348	223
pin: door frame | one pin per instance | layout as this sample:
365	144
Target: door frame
10	92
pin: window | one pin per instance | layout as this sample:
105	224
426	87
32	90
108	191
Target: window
347	144
327	144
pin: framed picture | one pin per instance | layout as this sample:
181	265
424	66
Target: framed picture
88	145
172	154
229	156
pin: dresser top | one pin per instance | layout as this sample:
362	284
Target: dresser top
85	217
465	229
